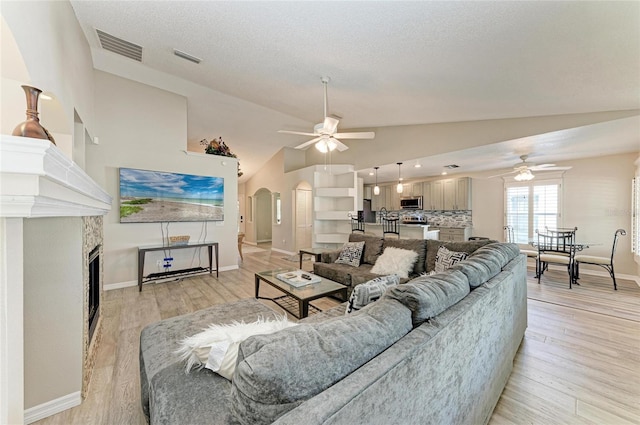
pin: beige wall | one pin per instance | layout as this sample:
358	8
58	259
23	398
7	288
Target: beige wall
144	127
53	301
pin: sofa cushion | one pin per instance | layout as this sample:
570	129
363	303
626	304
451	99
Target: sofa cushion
216	348
370	291
468	247
372	247
417	245
428	296
486	262
395	261
351	253
278	372
340	273
445	259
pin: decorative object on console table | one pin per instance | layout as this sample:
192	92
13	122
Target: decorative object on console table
32	127
218	147
179	240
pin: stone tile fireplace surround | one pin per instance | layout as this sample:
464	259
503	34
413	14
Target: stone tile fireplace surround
50	220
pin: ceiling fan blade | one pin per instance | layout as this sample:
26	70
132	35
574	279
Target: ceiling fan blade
552	169
310	142
361	135
541	166
330	125
297	132
503	174
339	145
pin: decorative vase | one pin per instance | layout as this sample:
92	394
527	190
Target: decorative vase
32	127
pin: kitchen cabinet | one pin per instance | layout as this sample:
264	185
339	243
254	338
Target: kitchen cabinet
368	192
447	194
453	234
379	201
411	189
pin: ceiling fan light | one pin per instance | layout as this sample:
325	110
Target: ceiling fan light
331	144
525	175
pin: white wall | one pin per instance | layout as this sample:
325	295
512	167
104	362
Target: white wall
53	298
144	127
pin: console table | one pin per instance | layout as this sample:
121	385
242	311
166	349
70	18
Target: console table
142	250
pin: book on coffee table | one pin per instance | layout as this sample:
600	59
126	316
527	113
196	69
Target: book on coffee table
298	278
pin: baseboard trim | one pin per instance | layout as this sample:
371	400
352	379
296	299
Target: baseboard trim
52	407
120	285
600	273
283	251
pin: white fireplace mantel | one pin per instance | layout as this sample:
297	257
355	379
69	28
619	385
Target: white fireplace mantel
38	180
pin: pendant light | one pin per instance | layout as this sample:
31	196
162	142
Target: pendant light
376	188
399	188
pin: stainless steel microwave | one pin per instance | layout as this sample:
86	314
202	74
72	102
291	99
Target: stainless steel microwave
411	203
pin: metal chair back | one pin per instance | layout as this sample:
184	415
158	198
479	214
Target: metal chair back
556	246
357	225
509	233
390	226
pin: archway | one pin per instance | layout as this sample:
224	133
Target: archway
263	215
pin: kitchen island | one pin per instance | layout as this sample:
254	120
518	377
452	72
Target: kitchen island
407	231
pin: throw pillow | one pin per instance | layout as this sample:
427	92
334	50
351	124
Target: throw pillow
370	291
395	261
445	259
216	348
351	253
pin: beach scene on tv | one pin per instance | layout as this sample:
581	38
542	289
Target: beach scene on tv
157	196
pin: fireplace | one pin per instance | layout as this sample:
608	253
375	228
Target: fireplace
93	300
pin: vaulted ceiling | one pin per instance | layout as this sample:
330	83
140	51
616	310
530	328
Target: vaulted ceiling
391	63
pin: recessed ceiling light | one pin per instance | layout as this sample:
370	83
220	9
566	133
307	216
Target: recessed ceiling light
371	173
444	173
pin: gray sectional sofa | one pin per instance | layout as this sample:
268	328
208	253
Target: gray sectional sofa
435	350
374	246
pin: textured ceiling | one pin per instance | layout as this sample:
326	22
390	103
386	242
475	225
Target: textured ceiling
391	63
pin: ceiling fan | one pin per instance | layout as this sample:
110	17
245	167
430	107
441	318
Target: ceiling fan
523	169
325	136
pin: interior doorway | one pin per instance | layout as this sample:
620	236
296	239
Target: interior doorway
263	215
303	216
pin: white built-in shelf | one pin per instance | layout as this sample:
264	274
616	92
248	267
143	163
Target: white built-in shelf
336	192
38	180
333	215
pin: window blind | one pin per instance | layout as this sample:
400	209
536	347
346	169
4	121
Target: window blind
530	206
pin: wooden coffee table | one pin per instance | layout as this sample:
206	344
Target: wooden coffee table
301	295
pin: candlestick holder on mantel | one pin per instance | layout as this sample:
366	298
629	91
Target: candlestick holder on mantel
32	127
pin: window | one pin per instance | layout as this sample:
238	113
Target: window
277	208
635	217
530	206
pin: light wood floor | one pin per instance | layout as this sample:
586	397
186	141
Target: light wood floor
579	362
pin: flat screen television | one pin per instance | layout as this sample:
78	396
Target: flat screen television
159	196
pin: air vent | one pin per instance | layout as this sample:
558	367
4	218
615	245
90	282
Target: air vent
451	166
186	56
119	46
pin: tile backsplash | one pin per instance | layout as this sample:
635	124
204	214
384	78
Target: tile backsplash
448	218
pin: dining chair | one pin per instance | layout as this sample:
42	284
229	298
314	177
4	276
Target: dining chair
605	262
357	225
390	226
556	246
530	253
